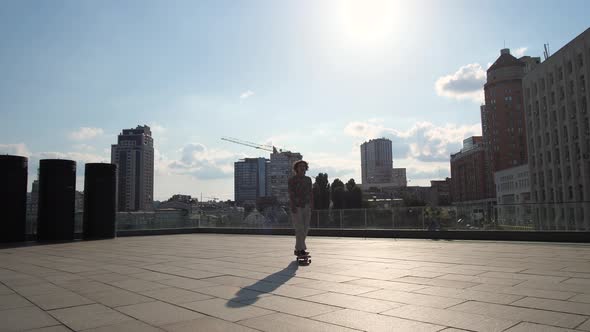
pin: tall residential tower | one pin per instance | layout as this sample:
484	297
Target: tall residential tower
134	156
376	161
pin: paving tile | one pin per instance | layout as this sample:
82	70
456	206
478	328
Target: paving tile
481	280
451	318
581	298
13	301
231	292
521	314
196	274
578	281
374	322
129	326
108	277
207	324
437	282
555	305
5	290
290	305
325	276
151	276
117	297
288	323
186	283
88	316
585	326
57	300
38	289
337	287
400	286
526	327
413	298
353	302
21	319
231	281
158	313
553	286
175	295
524	291
57	328
230	311
522	276
88	286
284	290
137	285
468	294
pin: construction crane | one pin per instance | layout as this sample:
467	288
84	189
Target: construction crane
264	147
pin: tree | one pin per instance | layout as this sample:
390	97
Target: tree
338	194
354	195
321	192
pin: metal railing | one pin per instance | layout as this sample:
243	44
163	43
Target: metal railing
572	217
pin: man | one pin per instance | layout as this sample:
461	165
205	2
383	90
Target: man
301	201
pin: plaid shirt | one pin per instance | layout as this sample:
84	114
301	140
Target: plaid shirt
300	191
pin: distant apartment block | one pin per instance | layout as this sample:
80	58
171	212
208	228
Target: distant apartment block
376	161
556	101
251	180
468	171
398	177
502	117
134	156
513	196
281	169
440	192
33	202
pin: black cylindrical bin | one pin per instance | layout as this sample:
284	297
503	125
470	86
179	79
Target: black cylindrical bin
57	195
100	189
13	198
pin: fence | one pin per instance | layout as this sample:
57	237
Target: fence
574	217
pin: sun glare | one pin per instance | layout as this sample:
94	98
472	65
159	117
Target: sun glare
368	22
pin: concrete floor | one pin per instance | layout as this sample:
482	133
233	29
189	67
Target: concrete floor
214	282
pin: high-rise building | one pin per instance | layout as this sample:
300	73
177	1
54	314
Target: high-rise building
502	118
251	177
556	97
376	161
134	156
281	169
468	171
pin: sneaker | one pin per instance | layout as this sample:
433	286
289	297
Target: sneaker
303	253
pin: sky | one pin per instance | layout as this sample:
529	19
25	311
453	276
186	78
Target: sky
315	77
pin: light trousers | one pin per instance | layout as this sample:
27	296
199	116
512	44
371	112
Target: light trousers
300	221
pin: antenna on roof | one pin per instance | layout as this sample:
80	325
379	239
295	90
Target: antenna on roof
546	52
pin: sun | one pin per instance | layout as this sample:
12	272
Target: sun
366	22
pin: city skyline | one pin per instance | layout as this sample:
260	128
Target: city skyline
323	80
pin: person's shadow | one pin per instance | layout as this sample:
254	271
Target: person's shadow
250	294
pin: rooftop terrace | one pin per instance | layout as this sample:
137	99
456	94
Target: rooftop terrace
214	282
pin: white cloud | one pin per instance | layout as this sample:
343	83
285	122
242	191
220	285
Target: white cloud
156	128
19	149
246	94
85	133
519	52
201	162
465	84
423	141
